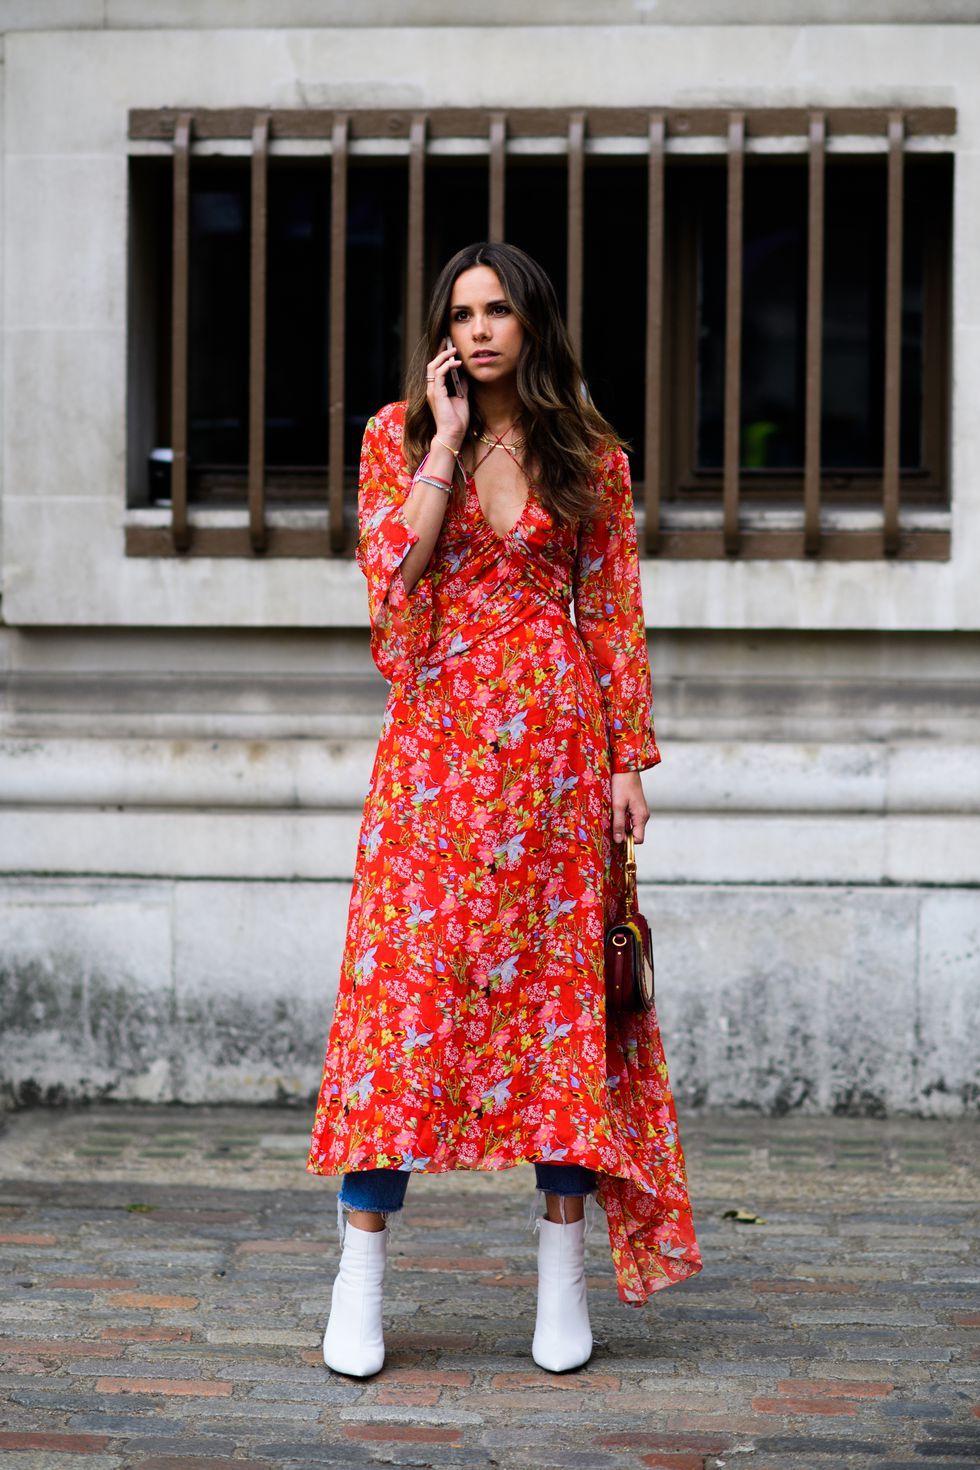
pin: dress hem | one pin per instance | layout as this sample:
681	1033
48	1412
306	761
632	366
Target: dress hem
641	1269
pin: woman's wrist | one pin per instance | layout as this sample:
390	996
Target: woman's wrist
447	441
442	460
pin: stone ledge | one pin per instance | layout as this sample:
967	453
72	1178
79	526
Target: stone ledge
690	847
199	15
323	774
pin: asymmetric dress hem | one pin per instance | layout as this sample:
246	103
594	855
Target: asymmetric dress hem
470	1029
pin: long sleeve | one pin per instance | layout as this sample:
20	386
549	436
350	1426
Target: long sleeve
401	622
609	617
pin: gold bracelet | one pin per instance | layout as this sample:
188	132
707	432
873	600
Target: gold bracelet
452	451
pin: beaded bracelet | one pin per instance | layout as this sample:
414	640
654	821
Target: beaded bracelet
440	479
443	485
446	485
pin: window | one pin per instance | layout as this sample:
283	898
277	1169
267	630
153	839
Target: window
761	301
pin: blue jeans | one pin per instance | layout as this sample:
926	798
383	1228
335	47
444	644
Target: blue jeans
384	1189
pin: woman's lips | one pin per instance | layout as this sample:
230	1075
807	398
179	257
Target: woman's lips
485	356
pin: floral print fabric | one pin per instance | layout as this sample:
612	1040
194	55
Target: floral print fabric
469	1030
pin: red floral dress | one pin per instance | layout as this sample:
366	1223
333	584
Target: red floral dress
469	1030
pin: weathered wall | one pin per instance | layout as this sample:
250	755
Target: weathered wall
841	998
65	299
184	746
181	817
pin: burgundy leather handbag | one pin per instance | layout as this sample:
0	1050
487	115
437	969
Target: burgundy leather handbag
629	951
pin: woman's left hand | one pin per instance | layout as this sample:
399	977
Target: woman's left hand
630	810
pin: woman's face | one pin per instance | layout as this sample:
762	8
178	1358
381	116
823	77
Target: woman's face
484	330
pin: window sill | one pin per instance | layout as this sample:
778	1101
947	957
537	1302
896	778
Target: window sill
224	531
776	533
767	532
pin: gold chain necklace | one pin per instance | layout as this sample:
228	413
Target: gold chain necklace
512	447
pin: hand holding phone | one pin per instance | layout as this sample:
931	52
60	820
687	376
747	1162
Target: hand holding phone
453	387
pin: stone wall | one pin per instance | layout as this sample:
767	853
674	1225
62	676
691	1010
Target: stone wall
181	818
842	998
184	746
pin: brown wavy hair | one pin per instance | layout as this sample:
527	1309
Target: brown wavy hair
563	430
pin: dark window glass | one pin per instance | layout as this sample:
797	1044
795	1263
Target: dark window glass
218	315
774	317
614	310
536	210
455	211
614	315
297	317
854	316
376	261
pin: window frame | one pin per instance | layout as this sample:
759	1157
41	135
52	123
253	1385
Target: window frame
685	480
811	529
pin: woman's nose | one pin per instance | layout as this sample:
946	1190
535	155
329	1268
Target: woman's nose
481	326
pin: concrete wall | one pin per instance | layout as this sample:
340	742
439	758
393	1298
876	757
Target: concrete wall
184	746
65	300
180	821
844	998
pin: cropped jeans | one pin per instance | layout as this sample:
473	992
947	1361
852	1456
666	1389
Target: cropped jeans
383	1190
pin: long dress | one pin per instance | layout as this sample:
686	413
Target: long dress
469	1030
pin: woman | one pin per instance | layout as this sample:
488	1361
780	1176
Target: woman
470	1026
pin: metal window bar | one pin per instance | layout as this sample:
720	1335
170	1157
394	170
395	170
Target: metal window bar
632	130
576	227
733	331
416	234
653	407
179	524
256	335
338	285
893	332
495	205
814	335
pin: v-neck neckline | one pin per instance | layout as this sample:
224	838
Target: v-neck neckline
501	536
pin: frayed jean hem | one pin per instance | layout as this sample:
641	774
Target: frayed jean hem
382	1191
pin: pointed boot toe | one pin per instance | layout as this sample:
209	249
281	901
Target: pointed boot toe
354	1341
562	1333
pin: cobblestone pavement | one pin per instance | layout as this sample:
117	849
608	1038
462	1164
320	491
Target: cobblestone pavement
168	1273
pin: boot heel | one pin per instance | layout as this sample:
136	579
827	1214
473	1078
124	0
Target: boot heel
353	1342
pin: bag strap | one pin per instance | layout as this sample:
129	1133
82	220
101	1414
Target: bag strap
630	870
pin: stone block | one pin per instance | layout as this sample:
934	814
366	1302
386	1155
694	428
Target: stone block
56	14
64	565
785	999
49	283
85	991
145	843
270	774
64	433
921	849
947	1001
257	968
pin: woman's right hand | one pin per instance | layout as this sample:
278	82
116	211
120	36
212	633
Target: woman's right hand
452	414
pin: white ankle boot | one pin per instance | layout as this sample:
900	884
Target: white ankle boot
353	1342
562	1334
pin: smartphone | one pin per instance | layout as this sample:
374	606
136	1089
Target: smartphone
455	387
